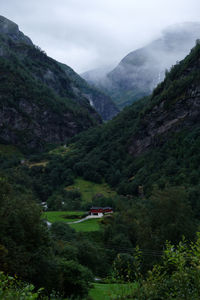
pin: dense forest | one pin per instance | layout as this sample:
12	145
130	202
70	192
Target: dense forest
148	155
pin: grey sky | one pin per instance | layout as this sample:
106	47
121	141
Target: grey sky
87	34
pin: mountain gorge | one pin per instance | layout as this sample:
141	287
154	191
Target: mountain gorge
141	70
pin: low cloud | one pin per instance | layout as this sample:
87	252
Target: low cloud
90	34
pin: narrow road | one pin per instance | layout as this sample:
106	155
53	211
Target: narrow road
84	219
79	221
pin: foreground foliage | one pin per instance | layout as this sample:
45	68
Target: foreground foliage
36	255
176	277
13	289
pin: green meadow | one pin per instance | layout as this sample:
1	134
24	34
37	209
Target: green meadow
111	291
71	216
63	216
87	226
89	189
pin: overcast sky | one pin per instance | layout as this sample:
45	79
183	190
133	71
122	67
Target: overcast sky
87	34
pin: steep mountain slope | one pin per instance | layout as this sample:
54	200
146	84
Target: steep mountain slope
141	70
101	102
174	105
62	79
38	104
155	141
11	30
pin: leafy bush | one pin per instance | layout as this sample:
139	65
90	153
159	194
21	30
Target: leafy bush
13	289
176	277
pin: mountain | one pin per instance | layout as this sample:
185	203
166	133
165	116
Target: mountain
141	70
101	102
155	141
149	154
42	101
97	77
11	31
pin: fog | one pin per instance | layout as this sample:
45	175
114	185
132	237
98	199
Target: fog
142	69
95	33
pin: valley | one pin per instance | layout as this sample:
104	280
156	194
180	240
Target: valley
65	148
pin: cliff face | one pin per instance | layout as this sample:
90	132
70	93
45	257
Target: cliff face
157	125
38	102
177	106
45	126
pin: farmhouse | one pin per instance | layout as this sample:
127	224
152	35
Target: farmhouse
100	211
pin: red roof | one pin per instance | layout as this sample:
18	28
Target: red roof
101	209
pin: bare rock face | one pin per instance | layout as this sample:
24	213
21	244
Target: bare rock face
11	30
43	127
158	124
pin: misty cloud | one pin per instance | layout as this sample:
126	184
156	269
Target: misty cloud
94	33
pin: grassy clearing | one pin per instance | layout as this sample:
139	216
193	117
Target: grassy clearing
89	189
110	291
62	216
62	150
87	226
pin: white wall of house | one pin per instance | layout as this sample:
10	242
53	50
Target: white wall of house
100	215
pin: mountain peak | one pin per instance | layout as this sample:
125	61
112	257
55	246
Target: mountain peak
11	29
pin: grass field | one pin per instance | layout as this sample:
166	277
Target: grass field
89	189
87	226
110	291
62	216
62	150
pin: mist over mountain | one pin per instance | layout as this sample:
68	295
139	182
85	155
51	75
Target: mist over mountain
42	100
141	70
38	102
99	100
97	76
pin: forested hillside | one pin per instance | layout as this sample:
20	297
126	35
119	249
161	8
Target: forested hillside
148	142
